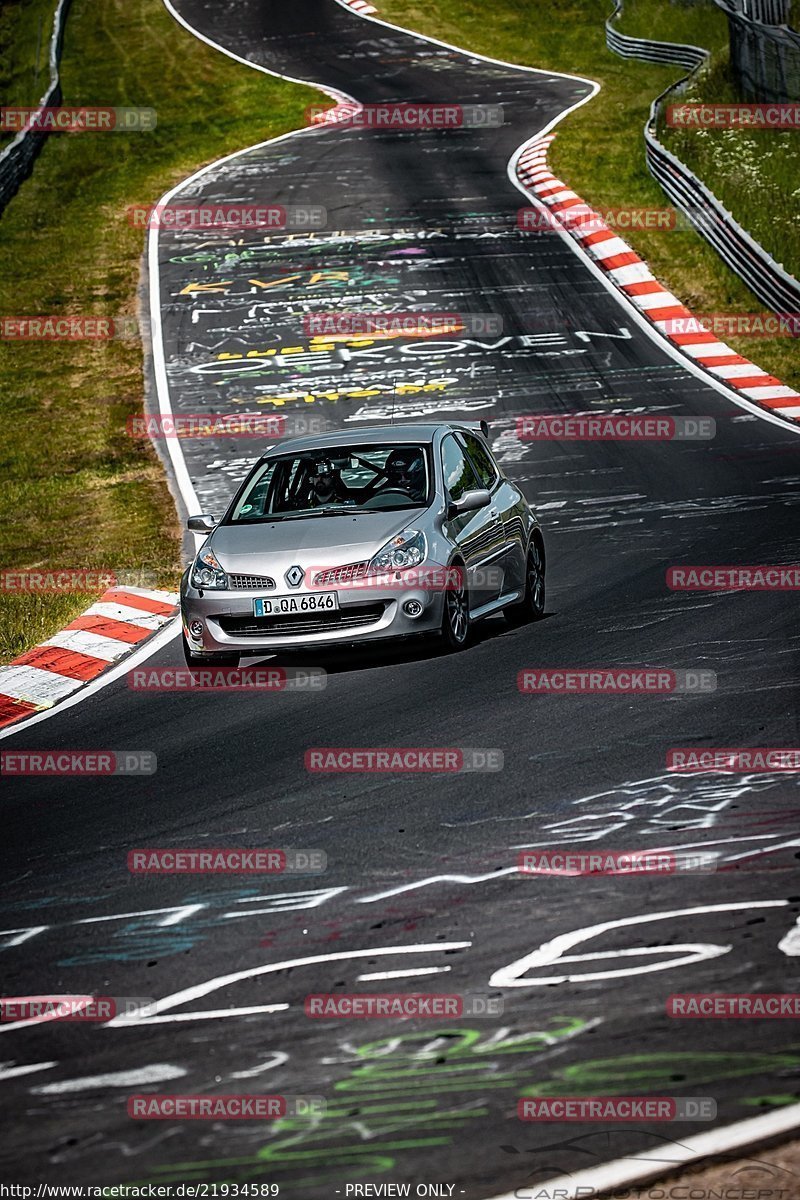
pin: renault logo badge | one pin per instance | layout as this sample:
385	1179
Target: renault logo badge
294	576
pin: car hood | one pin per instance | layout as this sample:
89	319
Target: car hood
269	548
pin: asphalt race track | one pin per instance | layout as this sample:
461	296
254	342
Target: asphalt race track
421	868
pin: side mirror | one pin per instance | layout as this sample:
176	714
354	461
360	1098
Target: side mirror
469	502
202	524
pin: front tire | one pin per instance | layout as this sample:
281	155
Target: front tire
208	660
456	624
531	607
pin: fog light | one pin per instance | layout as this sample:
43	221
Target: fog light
196	629
412	608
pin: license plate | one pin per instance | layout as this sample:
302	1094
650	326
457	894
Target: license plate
278	606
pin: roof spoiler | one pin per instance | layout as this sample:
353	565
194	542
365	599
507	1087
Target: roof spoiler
476	427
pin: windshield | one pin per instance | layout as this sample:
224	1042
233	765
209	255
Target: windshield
335	480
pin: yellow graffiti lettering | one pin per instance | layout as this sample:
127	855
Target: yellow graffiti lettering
191	288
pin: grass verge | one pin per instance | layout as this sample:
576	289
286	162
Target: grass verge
78	492
599	150
25	31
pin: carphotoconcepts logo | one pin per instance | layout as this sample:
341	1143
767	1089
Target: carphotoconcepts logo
733	116
37	1009
369	1006
413	759
227	679
227	861
78	762
591	427
764	325
78	120
734	579
734	761
227	217
613	862
74	580
405	324
616	1108
64	328
155	1107
744	1179
605	681
734	1004
408	118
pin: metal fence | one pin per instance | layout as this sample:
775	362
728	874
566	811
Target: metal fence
16	159
773	286
765	52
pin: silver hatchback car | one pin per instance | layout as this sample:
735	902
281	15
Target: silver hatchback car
362	536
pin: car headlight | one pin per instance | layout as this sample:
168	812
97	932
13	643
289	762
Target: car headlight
406	549
207	573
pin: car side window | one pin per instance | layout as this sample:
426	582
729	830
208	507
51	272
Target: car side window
481	461
459	476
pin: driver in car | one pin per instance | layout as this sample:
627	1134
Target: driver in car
405	471
326	485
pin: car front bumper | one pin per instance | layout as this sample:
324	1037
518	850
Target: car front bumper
365	614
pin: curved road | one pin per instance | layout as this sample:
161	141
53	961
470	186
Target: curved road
421	868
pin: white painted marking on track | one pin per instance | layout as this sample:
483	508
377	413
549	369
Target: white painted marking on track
9	1071
411	887
401	974
553	951
277	1059
790	944
140	1077
187	995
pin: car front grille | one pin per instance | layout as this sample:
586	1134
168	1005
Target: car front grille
349	573
251	583
353	616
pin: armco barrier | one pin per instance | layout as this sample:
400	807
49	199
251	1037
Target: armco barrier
16	159
773	286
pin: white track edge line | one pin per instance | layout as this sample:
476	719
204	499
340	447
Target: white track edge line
156	642
621	1172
